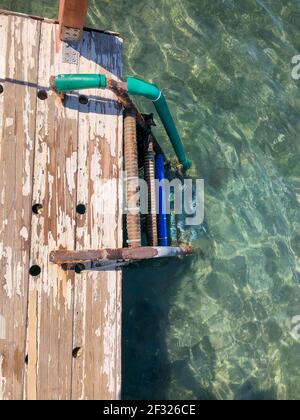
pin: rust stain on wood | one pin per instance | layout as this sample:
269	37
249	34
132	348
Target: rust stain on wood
57	155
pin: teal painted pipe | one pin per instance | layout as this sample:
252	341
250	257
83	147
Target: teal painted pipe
163	111
68	82
151	91
139	87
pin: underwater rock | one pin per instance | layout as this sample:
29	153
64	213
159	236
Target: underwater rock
295	242
217	287
272	331
250	391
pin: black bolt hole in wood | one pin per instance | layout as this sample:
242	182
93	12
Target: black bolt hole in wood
35	270
79	268
37	208
81	209
76	353
42	95
83	100
1	89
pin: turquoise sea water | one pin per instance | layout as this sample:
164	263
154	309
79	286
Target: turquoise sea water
218	325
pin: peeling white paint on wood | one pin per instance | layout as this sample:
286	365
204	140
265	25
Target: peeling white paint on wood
74	152
24	233
8	271
26	190
9	122
2	327
71	171
99	161
2	380
19	40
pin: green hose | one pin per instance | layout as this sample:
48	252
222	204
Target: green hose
67	82
150	91
139	87
163	111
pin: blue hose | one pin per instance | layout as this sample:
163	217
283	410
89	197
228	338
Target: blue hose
163	239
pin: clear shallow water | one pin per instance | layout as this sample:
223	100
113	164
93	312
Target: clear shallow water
218	325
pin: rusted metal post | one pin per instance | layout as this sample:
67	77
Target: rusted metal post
151	218
71	16
62	257
132	175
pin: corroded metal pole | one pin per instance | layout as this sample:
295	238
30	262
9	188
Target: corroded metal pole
132	177
71	16
151	218
124	254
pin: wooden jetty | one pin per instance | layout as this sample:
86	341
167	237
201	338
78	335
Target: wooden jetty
60	331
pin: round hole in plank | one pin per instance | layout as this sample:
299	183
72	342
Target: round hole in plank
37	208
1	89
81	209
77	352
83	99
42	94
35	270
79	268
26	359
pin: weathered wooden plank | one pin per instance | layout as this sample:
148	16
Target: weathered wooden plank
50	314
39	165
72	14
97	311
19	40
4	386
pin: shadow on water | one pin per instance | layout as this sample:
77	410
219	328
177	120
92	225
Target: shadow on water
147	299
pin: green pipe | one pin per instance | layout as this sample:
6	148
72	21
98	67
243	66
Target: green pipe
68	82
139	87
163	111
150	91
136	87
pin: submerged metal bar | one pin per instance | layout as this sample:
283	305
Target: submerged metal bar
151	217
124	254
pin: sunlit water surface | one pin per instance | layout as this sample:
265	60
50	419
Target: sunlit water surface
218	325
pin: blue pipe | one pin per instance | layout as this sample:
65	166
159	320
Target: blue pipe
163	239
